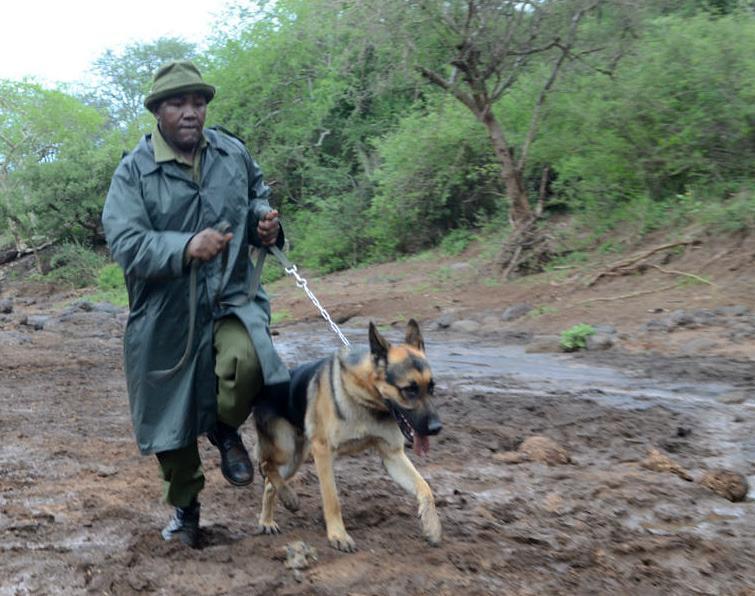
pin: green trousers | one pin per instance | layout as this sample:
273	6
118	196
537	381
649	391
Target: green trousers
239	380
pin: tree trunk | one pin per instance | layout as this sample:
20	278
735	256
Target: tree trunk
520	213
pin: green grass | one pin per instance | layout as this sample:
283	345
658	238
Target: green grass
542	310
280	316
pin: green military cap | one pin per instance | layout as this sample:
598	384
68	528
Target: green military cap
176	78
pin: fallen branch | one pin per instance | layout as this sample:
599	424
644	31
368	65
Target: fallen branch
625	266
692	275
632	295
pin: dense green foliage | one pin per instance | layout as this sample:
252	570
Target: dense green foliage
368	160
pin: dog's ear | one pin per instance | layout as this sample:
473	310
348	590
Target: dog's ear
414	336
379	346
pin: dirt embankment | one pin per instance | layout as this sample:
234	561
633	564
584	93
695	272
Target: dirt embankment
554	474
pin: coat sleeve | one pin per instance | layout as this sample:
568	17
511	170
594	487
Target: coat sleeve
259	204
138	248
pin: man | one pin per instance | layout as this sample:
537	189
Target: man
186	204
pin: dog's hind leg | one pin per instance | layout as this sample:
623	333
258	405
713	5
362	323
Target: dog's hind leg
406	476
337	535
286	494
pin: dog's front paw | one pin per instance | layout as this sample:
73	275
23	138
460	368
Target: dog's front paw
430	523
342	542
289	498
270	529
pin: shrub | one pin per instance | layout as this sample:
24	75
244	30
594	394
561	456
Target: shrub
575	338
76	265
456	242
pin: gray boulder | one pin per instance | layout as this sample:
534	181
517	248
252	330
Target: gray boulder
6	306
737	310
599	341
515	311
466	326
545	344
36	322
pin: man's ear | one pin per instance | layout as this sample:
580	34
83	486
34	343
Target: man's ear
414	336
379	346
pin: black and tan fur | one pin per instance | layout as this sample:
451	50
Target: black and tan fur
354	400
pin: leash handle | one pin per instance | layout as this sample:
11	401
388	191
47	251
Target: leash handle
155	376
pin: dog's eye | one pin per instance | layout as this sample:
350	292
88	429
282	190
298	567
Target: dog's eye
411	391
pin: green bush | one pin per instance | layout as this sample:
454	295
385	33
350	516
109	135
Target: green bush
575	338
75	265
455	242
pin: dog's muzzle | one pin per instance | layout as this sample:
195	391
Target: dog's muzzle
416	425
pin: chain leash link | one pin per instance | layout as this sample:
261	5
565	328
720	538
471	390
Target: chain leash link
302	283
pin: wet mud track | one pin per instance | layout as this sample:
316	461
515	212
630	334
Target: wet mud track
80	510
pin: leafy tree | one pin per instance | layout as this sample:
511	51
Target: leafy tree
481	49
678	116
126	75
55	164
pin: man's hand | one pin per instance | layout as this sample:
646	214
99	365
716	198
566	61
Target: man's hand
268	228
207	244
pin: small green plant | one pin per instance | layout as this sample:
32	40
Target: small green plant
455	242
575	338
541	310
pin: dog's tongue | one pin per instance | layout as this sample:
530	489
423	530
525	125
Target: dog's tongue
421	444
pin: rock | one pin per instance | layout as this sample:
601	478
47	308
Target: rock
699	345
544	450
6	306
84	305
733	311
36	322
656	325
13	338
106	307
599	341
300	555
444	320
465	326
659	462
681	318
704	316
743	330
733	397
730	485
604	329
515	311
544	343
462	266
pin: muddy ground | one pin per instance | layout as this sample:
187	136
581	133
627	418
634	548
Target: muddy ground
80	510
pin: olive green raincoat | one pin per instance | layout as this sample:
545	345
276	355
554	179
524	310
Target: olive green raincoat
151	212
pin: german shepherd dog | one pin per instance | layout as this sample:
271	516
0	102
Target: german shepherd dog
354	400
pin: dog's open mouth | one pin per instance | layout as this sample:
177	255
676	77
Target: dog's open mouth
420	443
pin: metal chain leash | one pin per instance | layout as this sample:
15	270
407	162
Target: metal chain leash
302	283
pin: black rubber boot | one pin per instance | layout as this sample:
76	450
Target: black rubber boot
184	525
234	460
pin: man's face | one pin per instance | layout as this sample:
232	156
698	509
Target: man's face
181	119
